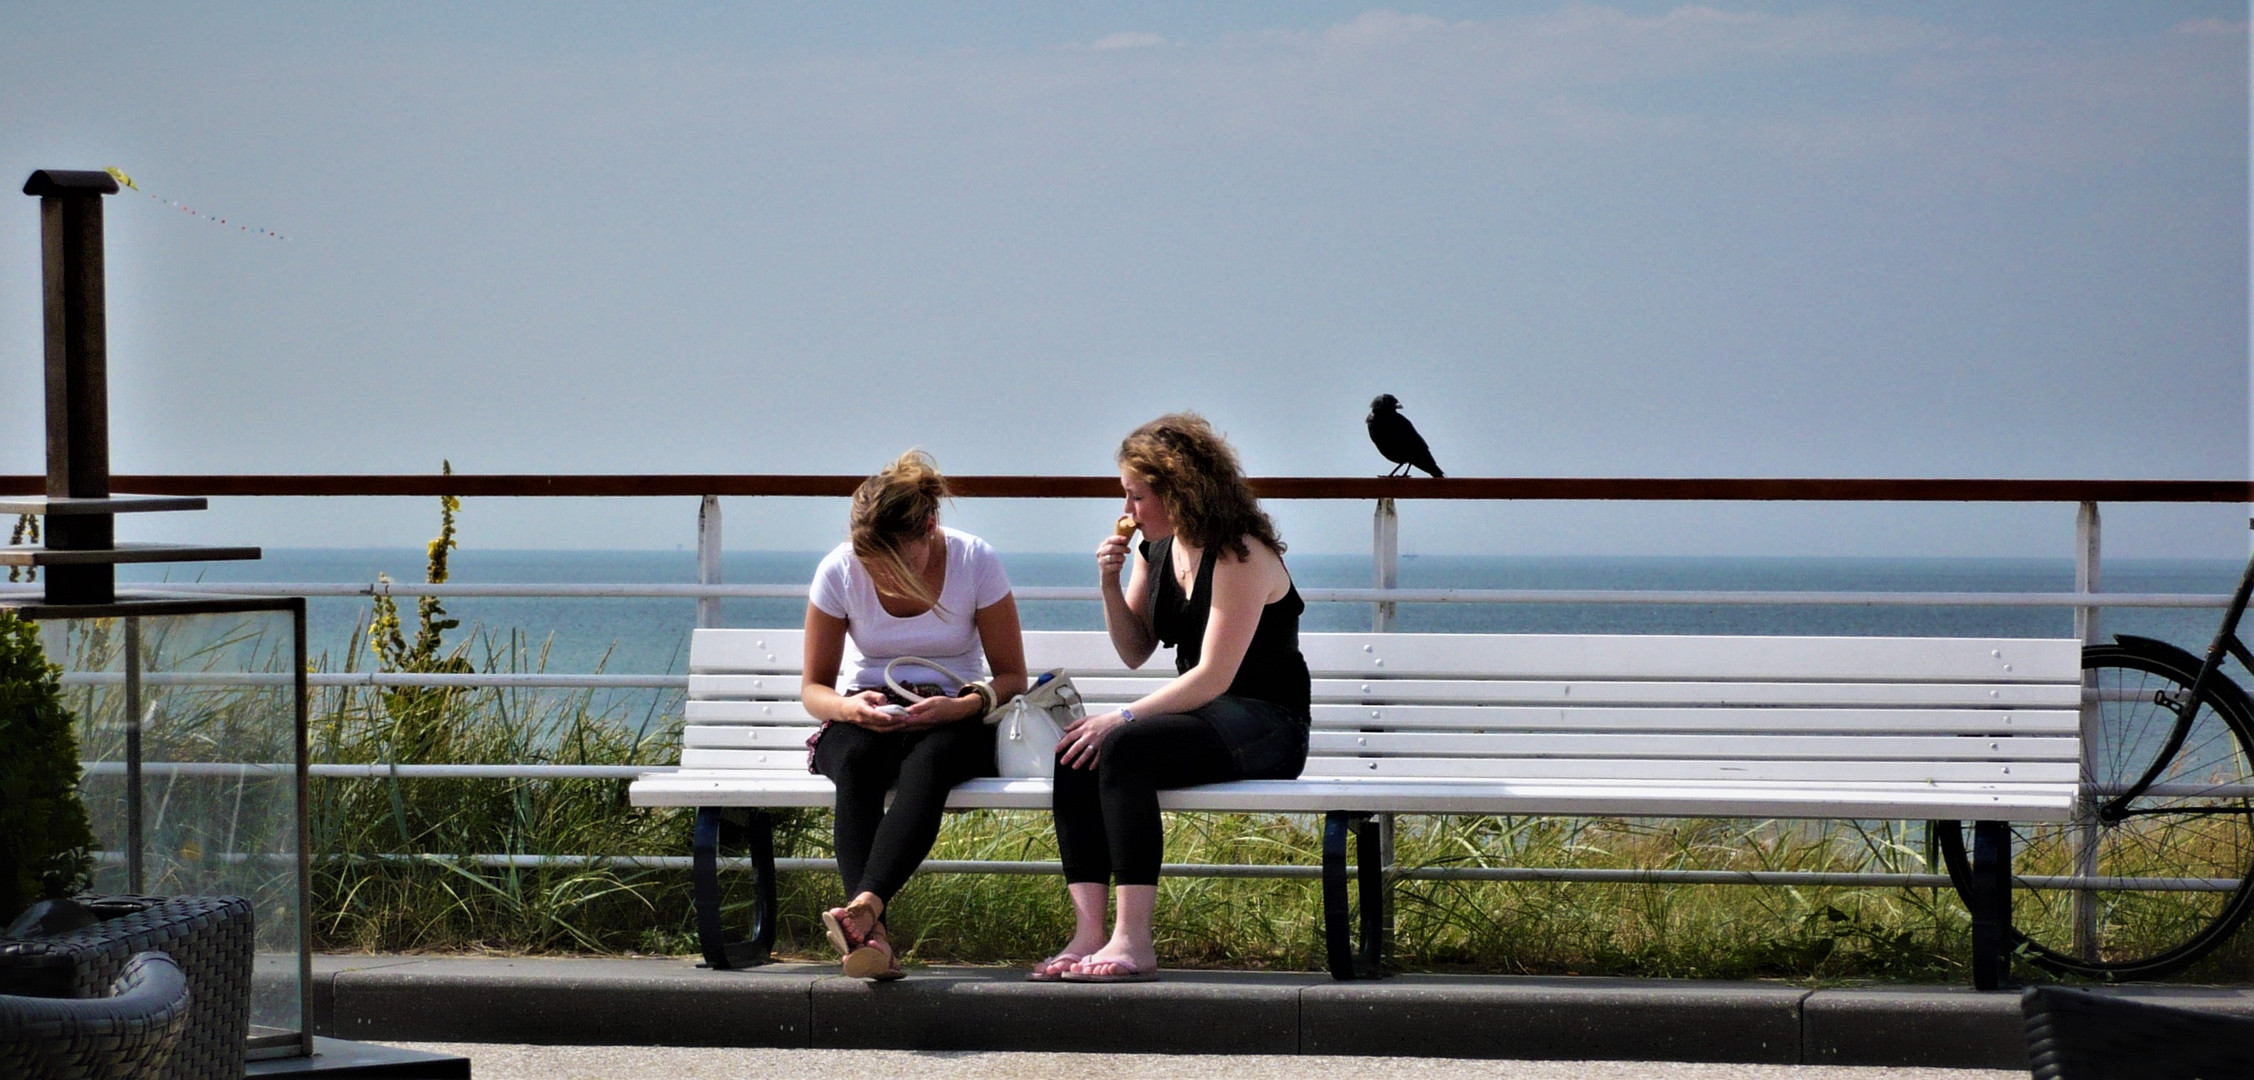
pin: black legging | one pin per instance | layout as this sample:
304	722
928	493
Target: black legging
877	848
1107	817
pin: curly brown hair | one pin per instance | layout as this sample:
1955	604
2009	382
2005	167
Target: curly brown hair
1195	475
891	510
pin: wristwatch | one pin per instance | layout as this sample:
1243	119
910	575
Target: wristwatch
1126	714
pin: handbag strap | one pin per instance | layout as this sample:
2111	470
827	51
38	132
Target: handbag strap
911	695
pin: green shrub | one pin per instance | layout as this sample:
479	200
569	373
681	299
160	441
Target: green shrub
45	843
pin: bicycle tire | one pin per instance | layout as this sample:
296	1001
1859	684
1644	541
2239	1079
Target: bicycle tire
2201	829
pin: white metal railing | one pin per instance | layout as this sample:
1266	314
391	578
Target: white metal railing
379	679
2086	600
1034	867
1315	595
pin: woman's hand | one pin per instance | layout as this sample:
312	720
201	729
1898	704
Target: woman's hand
867	710
934	711
1085	737
1124	618
1110	556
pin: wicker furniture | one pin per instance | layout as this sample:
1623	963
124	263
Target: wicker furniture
134	1033
2080	1035
208	937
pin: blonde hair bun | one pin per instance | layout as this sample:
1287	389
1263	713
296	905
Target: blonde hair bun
893	509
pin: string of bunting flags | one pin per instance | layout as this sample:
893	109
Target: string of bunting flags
118	175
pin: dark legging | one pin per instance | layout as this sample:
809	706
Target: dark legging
1107	817
878	848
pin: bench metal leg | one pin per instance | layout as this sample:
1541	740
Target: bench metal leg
757	832
1347	962
1991	905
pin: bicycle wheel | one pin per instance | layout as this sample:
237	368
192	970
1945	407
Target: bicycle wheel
2180	866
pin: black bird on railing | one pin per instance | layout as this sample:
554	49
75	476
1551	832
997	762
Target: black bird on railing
1397	438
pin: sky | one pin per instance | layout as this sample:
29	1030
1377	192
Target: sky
1574	239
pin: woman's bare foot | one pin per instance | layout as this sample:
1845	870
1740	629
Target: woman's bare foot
1116	959
851	926
1054	967
1051	969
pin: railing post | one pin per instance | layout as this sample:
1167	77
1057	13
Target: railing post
135	841
708	560
2086	570
2086	830
1385	554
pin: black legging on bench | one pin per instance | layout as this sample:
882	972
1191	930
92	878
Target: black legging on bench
878	848
1107	817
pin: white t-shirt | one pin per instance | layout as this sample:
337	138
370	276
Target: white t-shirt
843	589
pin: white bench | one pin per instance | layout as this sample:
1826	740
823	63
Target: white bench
1984	730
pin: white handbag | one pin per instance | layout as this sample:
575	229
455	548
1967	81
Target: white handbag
1027	727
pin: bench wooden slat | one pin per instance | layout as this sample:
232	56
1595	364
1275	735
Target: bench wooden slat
2017	802
1526	744
1565	768
978	788
1518	718
782	651
1678	746
2063	694
1694	657
726	711
1859	721
1617	769
1608	656
779	759
2066	694
746	736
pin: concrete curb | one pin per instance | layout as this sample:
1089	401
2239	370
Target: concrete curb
671	1002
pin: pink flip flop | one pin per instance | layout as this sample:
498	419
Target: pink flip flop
1041	972
1122	971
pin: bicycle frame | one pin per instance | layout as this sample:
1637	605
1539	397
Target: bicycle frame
2226	643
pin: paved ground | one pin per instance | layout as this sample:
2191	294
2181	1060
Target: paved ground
501	1061
806	1020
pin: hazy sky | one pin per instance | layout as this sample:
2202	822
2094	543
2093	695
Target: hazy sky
1622	239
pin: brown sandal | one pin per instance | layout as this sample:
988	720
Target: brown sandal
873	959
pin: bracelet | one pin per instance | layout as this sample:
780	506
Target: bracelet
986	696
1126	715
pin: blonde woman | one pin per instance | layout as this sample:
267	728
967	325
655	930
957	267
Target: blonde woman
902	585
1208	579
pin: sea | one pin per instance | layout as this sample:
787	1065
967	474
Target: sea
650	636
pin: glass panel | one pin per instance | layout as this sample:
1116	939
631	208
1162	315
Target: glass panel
218	798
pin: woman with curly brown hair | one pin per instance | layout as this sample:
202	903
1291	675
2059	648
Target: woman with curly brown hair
902	586
1208	579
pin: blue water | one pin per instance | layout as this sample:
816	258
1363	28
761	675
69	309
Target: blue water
636	636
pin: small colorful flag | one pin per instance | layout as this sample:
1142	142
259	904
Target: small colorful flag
120	176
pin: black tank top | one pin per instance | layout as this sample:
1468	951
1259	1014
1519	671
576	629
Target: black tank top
1273	669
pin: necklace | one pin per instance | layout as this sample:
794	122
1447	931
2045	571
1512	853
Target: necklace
1185	568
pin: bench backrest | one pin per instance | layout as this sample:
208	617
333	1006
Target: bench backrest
1545	707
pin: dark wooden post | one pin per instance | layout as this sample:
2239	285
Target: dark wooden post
78	393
